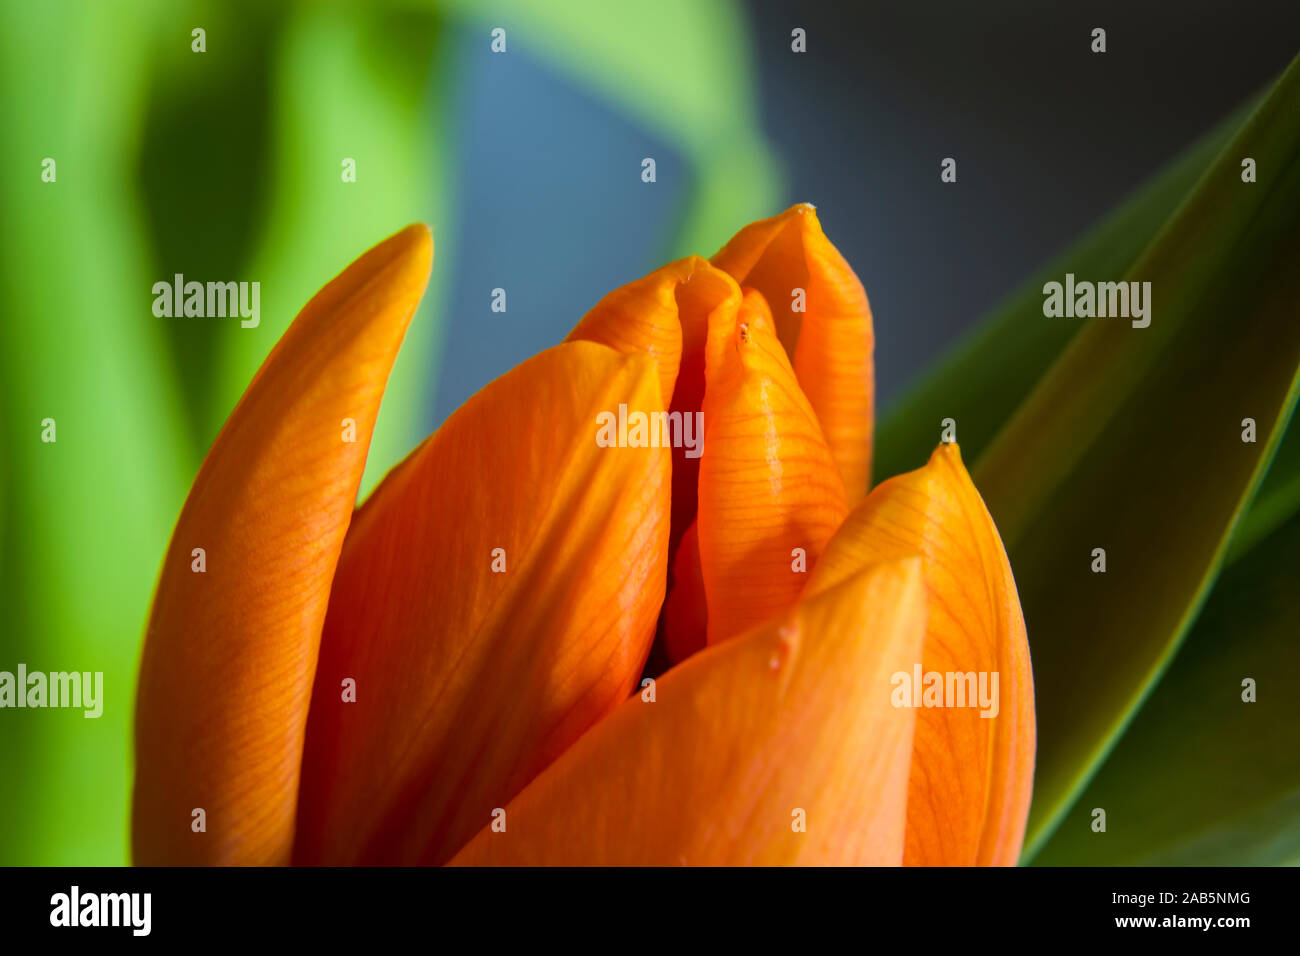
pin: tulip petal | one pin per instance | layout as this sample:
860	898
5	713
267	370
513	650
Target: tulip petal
470	680
768	485
778	747
971	775
831	341
230	653
666	315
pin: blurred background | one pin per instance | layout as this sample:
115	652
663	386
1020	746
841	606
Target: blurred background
225	164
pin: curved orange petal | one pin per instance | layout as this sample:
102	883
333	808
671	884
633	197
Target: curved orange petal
969	793
229	653
666	316
831	341
768	486
791	724
468	680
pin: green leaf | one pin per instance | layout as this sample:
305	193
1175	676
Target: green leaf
205	128
1202	777
87	516
1132	442
1276	501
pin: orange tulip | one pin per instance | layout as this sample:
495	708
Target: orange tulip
457	672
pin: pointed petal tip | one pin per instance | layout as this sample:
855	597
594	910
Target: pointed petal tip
768	485
418	235
411	247
407	255
823	320
949	452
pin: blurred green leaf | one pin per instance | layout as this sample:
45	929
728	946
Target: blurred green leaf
1132	442
1276	501
367	84
87	516
1202	777
206	128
